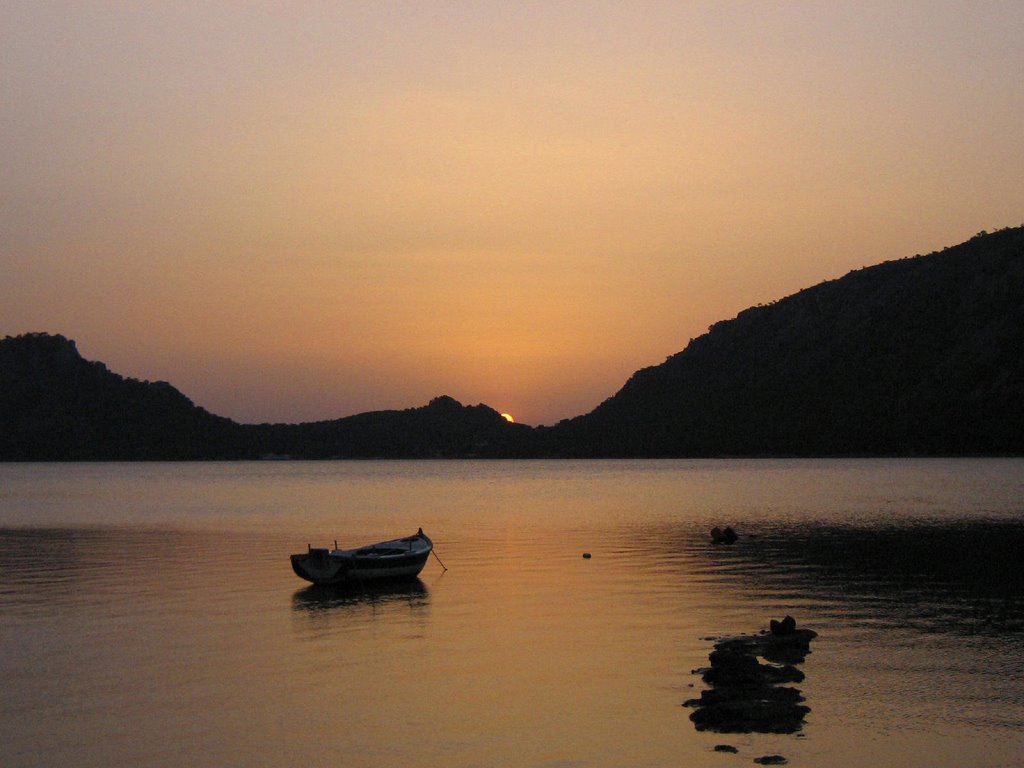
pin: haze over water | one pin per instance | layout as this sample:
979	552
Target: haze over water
148	614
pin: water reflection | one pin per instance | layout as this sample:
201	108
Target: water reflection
960	577
59	566
24	553
318	598
747	696
912	614
325	609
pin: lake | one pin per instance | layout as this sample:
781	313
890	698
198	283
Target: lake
149	616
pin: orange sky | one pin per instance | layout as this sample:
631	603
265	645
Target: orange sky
299	211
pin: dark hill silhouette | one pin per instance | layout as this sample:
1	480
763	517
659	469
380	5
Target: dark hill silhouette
56	406
444	428
919	356
923	356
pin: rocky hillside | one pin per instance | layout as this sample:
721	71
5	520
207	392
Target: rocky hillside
919	356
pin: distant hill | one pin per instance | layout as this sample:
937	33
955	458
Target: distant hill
923	356
919	356
56	406
444	428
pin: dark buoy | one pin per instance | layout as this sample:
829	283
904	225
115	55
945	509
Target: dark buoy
586	555
728	536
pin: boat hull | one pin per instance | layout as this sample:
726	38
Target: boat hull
390	560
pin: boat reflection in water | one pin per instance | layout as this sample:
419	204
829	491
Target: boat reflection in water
318	598
339	609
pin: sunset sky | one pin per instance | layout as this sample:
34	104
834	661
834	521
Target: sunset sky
299	211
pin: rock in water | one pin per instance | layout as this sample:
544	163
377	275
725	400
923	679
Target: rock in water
727	536
746	695
782	628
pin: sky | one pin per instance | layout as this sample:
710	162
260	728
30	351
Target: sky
296	211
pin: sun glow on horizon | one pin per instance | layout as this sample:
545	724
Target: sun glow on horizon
508	417
341	208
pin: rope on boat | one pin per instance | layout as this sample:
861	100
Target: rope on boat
438	558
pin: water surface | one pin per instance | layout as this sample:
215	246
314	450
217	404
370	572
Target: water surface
148	615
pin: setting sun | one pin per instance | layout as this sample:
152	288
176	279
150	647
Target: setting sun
308	208
508	417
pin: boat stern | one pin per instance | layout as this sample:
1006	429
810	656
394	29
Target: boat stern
319	567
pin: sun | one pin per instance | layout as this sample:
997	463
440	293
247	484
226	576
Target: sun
508	417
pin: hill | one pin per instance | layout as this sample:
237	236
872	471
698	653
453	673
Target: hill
444	428
922	356
919	356
56	406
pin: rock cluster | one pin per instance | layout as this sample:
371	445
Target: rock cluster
749	696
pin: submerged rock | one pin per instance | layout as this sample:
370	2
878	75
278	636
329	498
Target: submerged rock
726	748
729	668
779	694
791	647
753	715
771	760
726	536
747	696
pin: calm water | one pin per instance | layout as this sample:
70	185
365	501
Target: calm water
148	615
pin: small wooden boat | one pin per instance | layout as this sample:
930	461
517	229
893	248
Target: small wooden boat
395	559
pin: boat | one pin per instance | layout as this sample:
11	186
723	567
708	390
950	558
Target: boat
387	560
